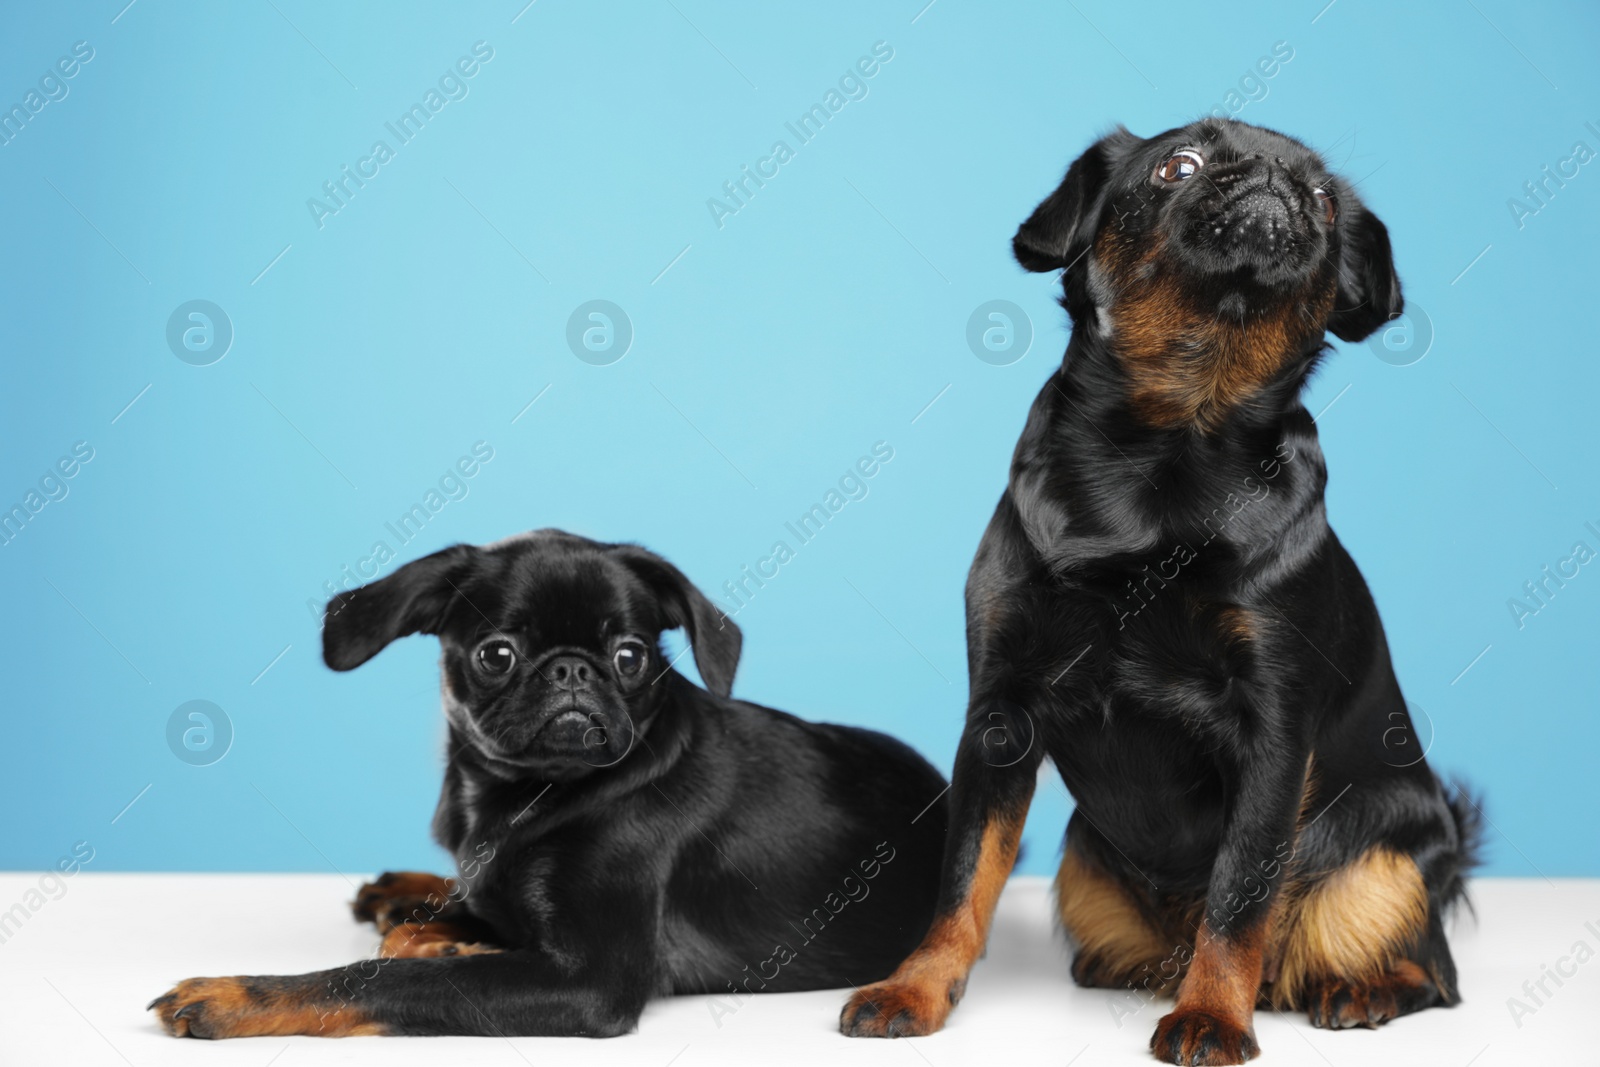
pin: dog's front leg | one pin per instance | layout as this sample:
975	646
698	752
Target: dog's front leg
1212	1020
500	994
996	766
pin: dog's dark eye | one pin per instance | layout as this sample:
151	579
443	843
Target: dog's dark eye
1181	165
497	657
1330	206
630	658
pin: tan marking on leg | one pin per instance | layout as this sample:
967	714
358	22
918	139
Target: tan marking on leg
255	1007
1212	1023
917	998
427	940
1224	976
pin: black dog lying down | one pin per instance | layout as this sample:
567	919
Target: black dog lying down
620	833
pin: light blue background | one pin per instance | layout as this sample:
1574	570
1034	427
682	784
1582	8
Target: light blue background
823	317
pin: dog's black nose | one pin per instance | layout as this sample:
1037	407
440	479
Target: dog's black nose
1262	204
569	672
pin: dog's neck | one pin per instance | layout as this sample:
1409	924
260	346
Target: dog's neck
1094	477
1179	365
1200	379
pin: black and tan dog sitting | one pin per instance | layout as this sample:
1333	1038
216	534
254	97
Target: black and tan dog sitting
620	833
1159	606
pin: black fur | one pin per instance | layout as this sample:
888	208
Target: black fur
1183	739
624	836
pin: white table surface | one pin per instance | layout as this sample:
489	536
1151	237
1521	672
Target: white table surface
75	978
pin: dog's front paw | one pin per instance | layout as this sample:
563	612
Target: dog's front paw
399	896
1194	1037
253	1007
898	1008
207	1008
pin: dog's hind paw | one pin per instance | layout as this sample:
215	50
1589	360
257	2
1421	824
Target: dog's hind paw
1336	1004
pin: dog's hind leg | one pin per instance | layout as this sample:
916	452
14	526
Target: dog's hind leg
1117	943
1363	945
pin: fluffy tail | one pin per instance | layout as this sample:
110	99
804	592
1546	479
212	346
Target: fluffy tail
1467	812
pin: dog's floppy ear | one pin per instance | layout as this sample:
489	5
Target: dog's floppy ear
1369	289
713	636
358	623
1061	228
